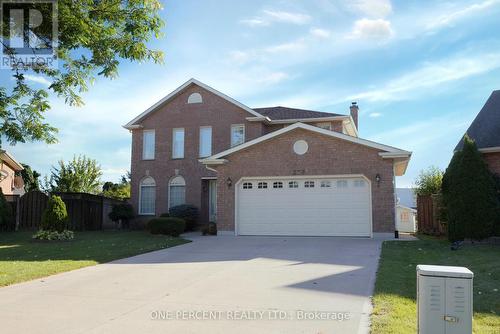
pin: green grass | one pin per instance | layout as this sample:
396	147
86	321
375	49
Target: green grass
22	259
395	309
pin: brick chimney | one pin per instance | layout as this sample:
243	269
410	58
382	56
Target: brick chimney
354	113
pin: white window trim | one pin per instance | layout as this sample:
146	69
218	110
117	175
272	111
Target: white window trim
200	142
140	213
183	142
231	134
144	146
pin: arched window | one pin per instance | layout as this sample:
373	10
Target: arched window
195	98
147	196
176	191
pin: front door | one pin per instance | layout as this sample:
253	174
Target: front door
212	201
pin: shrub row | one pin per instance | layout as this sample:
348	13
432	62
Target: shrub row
167	225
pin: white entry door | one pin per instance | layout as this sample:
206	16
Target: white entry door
330	206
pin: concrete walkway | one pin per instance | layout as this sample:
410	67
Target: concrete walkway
246	283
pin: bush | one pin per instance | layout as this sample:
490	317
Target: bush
165	215
54	235
429	181
6	218
123	212
189	213
469	195
168	226
209	229
55	217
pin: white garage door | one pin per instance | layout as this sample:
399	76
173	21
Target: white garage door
304	207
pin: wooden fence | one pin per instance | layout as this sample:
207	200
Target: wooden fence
428	215
86	212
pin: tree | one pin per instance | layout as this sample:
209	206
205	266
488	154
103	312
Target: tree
429	181
469	195
93	37
81	174
55	216
117	190
30	178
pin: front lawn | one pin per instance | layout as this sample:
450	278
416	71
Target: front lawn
395	309
22	259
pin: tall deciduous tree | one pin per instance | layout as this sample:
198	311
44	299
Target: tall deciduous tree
81	174
118	190
469	195
94	36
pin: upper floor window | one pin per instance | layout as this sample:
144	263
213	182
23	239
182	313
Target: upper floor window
148	144
147	196
178	143
325	125
237	134
205	141
195	98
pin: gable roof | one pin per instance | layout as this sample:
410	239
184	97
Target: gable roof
134	123
485	129
284	113
9	160
389	151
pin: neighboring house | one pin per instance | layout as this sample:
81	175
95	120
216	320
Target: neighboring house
485	130
9	182
406	197
262	171
406	219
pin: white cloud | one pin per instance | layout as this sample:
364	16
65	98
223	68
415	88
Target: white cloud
255	22
273	78
320	33
374	114
372	8
37	78
449	18
271	16
287	17
287	47
371	29
431	75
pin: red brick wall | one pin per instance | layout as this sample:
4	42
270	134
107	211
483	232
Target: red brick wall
215	112
326	156
493	161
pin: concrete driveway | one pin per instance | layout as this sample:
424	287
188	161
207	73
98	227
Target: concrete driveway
244	285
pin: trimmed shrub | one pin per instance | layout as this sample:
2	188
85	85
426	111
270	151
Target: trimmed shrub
469	195
165	215
168	226
6	218
55	217
189	213
54	235
123	212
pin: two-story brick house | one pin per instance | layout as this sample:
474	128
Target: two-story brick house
261	171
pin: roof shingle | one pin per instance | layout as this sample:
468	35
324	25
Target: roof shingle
485	129
284	113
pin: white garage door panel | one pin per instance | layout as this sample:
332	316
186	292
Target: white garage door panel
332	211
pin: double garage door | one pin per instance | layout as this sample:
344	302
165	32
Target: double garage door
304	206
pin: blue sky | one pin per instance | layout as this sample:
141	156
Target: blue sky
420	71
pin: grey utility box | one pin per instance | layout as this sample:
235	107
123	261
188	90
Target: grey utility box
444	300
